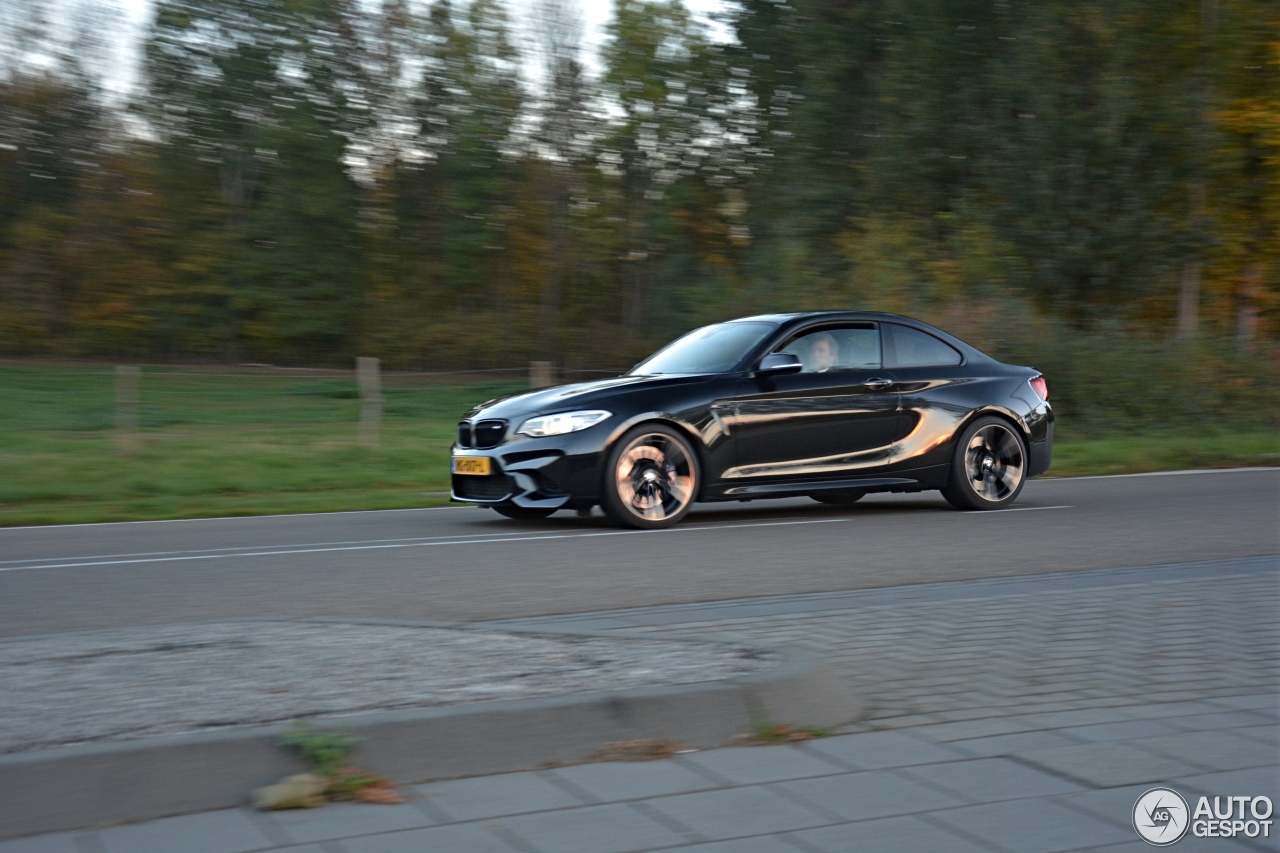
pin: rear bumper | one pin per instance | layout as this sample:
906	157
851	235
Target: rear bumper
1041	453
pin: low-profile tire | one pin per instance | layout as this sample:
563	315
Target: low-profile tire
651	478
988	467
840	500
523	513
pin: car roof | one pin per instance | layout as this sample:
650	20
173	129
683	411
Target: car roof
806	316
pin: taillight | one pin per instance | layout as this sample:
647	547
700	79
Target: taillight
1041	388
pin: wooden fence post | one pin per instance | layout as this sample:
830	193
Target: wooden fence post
126	409
369	378
542	374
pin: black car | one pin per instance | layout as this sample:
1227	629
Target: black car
831	405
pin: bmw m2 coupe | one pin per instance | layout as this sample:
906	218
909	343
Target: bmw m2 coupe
829	405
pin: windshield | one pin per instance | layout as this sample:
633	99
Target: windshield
711	349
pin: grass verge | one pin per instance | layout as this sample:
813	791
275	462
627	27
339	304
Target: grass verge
232	443
1165	451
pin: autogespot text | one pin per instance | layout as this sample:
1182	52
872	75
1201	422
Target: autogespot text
1229	817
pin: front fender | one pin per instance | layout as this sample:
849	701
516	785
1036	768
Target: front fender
698	434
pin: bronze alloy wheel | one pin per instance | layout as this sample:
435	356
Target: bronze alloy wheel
651	479
990	466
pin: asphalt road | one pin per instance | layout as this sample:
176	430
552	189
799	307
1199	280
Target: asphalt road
467	564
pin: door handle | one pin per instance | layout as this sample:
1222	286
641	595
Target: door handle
877	383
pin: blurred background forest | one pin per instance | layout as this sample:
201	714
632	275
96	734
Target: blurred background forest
1088	187
453	185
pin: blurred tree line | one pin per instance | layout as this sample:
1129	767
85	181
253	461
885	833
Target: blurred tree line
301	181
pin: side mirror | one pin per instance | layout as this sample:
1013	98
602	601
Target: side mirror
779	364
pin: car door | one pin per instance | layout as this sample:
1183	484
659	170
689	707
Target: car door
830	421
932	379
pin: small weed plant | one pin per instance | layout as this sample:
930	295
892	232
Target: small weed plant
329	754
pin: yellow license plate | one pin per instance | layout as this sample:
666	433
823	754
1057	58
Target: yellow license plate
471	465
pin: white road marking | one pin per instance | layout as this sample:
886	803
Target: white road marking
481	541
256	547
233	517
1253	470
1014	509
311	547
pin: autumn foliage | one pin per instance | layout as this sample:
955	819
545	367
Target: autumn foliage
442	186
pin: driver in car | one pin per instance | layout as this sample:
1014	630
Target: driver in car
822	353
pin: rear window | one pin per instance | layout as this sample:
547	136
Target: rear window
907	347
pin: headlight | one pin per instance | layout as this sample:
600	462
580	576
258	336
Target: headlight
545	425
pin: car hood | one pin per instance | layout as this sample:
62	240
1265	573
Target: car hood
568	398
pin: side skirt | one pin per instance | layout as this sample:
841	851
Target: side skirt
918	480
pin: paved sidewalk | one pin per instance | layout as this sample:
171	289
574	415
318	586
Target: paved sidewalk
1020	715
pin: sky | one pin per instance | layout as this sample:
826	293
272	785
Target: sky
596	15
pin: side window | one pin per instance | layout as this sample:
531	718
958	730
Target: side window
907	347
835	348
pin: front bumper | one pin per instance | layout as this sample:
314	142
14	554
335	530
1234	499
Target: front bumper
545	473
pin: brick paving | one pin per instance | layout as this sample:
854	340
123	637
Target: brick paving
1017	715
1048	650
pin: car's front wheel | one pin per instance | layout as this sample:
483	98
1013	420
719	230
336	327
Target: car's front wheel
989	467
522	513
650	478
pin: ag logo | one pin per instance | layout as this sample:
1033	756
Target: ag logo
1160	816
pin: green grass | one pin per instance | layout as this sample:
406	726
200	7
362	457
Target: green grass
218	443
1164	450
234	443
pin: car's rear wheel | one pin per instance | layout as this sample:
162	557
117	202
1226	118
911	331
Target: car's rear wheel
840	500
989	467
522	513
650	479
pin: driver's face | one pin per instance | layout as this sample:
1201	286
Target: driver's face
823	355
